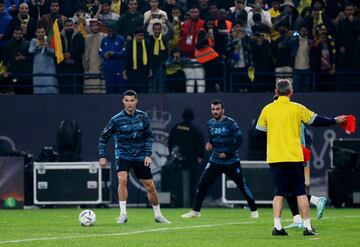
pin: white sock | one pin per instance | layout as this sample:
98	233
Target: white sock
297	219
157	211
307	224
122	205
314	200
277	223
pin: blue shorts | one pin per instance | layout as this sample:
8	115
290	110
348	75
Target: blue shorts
288	178
140	171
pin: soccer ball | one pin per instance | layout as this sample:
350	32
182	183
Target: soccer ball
87	218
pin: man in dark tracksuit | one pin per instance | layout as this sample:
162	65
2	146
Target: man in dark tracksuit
188	140
17	60
224	139
133	141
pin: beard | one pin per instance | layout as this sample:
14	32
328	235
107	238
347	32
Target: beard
217	116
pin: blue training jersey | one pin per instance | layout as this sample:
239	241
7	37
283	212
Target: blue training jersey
225	136
132	136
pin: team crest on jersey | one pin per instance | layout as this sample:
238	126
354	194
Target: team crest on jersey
160	152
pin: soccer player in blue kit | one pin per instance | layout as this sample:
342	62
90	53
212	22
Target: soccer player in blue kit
133	141
225	138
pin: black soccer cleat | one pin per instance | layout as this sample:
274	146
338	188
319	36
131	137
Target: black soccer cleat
282	232
308	232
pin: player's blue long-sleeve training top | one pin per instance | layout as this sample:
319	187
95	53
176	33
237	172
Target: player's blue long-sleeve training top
132	136
226	137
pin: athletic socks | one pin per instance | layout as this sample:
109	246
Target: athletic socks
157	211
307	224
277	224
122	205
297	219
314	200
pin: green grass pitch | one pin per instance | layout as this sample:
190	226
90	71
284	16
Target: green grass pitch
215	227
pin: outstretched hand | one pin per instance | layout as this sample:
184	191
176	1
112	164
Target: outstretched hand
341	119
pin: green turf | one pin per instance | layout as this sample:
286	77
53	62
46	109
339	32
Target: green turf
216	227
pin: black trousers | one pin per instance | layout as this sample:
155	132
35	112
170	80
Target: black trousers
212	172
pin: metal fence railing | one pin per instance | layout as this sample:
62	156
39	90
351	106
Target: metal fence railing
223	81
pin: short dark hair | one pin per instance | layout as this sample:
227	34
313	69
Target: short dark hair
130	92
157	24
349	4
212	3
68	21
139	29
256	17
320	1
2	2
40	26
238	22
54	1
218	102
176	6
188	114
105	1
283	87
17	28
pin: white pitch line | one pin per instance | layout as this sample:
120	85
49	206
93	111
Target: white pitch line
124	233
151	230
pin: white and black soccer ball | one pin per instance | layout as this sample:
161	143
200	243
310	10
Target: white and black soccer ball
87	218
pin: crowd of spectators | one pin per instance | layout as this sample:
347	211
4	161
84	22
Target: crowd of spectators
178	45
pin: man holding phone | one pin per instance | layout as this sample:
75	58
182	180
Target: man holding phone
154	15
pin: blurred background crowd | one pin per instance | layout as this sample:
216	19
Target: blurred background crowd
107	46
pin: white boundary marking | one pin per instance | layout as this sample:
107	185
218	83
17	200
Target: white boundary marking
152	230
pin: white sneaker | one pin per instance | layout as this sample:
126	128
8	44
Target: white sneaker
122	219
254	214
191	214
161	219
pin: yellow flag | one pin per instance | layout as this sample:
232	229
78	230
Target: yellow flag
57	42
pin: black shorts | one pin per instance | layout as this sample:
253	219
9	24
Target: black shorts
140	171
288	178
